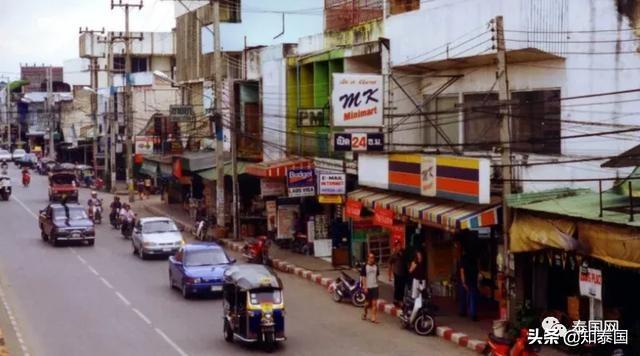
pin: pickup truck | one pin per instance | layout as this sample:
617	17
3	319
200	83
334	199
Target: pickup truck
63	186
67	222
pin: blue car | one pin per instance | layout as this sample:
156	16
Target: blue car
198	269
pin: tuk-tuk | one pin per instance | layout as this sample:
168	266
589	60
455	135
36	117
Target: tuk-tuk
46	165
62	183
253	305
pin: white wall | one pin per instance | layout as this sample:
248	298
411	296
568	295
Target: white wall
75	72
455	22
274	102
158	43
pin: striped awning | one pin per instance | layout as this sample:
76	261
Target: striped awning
277	168
445	214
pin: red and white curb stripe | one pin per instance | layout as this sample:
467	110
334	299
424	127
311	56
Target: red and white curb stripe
460	338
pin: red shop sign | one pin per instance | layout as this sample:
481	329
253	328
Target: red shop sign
353	208
383	217
397	234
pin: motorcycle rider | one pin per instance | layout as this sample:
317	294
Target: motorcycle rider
94	201
26	177
128	217
115	206
4	167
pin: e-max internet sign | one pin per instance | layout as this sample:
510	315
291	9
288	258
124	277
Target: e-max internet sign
357	100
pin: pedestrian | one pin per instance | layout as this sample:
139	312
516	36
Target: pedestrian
147	186
140	186
398	272
468	277
369	280
418	273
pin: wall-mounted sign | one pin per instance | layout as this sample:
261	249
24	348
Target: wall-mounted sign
428	170
180	113
357	100
332	184
301	182
463	179
372	141
272	187
288	216
404	173
272	212
330	199
383	217
591	282
313	117
144	145
353	208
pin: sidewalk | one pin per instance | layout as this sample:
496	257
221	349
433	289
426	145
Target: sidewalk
323	273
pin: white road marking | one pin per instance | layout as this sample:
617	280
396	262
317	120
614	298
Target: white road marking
106	283
14	323
93	270
124	300
170	342
13	197
82	259
142	316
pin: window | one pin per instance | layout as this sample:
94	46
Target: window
273	296
445	117
206	258
118	63
138	64
402	6
69	213
156	227
535	121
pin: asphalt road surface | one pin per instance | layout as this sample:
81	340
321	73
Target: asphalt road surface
102	300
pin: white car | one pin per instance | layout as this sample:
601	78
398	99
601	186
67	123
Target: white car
156	236
5	156
18	153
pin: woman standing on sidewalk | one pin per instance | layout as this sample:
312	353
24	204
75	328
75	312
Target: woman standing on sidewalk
369	281
418	273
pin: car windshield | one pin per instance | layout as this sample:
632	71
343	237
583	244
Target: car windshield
154	227
62	178
19	152
74	214
4	152
205	258
272	296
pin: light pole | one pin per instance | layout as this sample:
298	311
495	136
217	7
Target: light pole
94	118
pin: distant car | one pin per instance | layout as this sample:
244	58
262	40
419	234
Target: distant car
157	236
198	269
66	223
28	160
18	153
5	156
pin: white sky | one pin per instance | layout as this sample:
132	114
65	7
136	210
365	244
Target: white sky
46	31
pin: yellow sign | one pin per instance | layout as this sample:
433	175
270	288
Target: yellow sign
267	308
330	199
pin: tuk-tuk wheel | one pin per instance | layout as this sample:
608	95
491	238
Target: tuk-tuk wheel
228	333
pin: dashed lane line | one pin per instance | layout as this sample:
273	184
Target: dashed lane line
106	283
170	342
142	316
123	299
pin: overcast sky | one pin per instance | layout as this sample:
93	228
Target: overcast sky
46	31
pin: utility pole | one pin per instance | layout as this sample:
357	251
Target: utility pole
113	122
50	114
7	111
127	96
93	68
217	74
505	137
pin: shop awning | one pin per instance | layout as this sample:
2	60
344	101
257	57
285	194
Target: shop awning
532	233
613	244
212	174
441	213
277	168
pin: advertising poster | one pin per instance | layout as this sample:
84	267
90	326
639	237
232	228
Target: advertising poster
332	184
272	212
287	216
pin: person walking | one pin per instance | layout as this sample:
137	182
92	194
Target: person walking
468	275
398	272
418	274
369	280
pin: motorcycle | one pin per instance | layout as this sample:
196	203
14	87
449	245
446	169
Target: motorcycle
345	287
95	212
201	229
257	251
26	179
127	229
114	219
499	346
417	313
5	187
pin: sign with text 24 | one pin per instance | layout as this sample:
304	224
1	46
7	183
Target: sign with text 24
372	141
357	100
301	182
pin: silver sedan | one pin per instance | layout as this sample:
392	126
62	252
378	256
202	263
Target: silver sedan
156	236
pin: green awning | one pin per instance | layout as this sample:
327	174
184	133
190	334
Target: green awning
212	175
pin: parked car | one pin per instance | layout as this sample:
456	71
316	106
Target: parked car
18	153
66	223
157	236
5	156
28	160
198	269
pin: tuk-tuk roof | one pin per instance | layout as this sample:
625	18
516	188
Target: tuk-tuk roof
47	160
253	276
82	167
64	167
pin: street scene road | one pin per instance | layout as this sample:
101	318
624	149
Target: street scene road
103	300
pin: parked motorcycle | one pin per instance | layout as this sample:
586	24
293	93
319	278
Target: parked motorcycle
201	229
345	287
257	251
499	346
417	314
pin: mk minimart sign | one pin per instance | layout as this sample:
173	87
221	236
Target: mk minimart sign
357	100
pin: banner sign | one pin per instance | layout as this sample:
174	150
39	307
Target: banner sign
288	216
397	234
272	212
332	184
404	173
591	283
143	145
357	100
314	117
383	217
181	113
301	182
330	199
272	187
372	141
353	209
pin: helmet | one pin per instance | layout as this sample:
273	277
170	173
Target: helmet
94	193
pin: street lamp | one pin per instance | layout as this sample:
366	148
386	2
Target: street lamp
89	89
165	77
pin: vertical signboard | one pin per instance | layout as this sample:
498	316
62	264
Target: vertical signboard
357	100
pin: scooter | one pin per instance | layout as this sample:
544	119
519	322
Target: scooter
26	179
417	314
95	212
127	229
114	219
345	287
499	346
201	229
257	251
